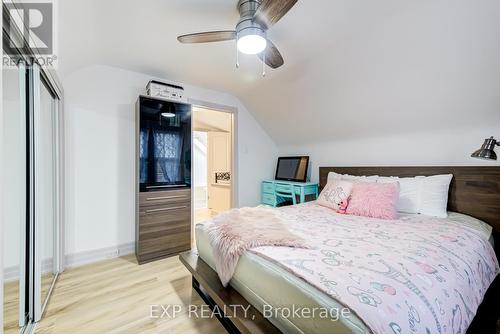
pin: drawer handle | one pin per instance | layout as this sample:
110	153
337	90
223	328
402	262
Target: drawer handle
166	209
165	197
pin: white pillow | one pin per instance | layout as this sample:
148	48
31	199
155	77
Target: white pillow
434	195
424	195
334	193
409	194
336	176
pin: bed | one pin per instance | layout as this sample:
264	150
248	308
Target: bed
267	279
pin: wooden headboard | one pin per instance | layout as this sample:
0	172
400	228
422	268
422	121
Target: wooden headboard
474	191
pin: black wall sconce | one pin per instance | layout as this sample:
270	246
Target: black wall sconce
486	151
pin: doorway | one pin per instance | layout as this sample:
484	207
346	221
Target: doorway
212	162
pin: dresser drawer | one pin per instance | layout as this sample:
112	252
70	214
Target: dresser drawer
163	230
170	198
268	187
164	245
268	199
156	216
284	188
171	209
157	230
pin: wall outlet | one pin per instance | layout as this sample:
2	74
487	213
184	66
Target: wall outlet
113	254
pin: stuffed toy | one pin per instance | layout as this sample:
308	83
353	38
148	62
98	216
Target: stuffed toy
343	206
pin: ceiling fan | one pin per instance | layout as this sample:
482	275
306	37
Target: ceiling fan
256	17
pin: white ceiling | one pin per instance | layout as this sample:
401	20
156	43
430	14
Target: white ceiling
352	67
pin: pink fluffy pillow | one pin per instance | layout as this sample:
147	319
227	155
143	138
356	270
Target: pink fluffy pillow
375	200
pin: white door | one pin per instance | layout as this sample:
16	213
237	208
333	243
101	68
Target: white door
219	161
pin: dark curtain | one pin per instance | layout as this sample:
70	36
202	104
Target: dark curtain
160	156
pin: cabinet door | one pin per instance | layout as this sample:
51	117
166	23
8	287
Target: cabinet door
163	230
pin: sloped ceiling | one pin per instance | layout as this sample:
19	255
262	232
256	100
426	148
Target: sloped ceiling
352	67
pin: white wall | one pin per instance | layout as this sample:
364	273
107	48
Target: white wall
100	137
447	147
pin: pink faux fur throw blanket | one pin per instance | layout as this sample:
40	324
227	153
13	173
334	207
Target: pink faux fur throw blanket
237	230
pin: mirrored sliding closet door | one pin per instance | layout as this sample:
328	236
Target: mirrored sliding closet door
45	190
14	195
32	184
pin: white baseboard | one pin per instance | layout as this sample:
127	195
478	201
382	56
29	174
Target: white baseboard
81	258
12	273
77	259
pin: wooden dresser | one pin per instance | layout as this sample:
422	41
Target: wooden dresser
163	224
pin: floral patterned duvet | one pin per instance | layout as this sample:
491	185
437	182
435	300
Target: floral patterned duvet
413	275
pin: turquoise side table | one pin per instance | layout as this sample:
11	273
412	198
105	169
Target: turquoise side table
301	189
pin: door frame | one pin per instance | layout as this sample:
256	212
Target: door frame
37	79
234	142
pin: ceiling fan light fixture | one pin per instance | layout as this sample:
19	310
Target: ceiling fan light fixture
250	33
252	41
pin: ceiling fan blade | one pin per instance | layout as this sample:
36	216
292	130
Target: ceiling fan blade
271	11
207	37
272	57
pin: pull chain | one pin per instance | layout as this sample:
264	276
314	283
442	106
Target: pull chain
237	53
264	64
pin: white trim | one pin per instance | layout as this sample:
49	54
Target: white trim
61	177
21	268
87	257
59	184
34	184
31	196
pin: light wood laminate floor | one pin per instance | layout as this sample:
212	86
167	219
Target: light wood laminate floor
11	307
11	302
115	296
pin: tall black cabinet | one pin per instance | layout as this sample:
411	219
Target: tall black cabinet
163	178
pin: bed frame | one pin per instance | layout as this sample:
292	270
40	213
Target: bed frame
474	191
